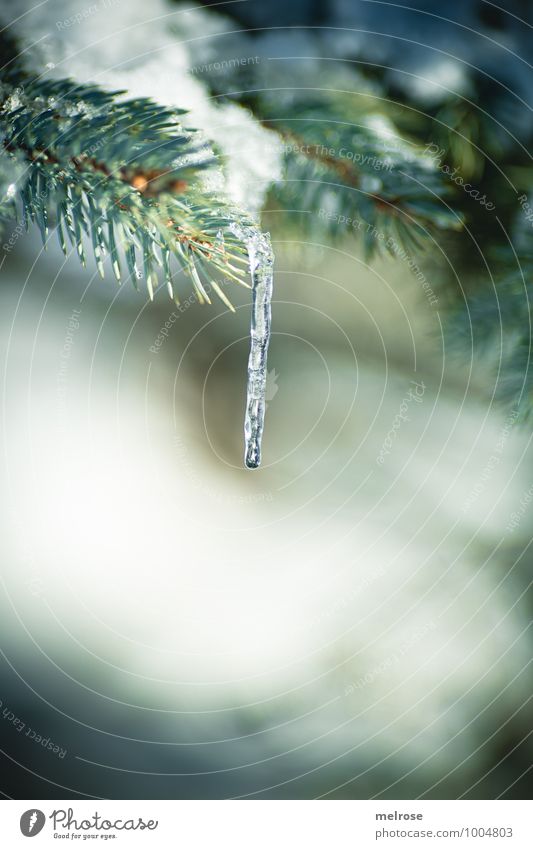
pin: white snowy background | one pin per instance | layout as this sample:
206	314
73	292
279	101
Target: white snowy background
326	625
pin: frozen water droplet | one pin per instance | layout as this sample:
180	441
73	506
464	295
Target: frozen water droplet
79	108
261	260
12	102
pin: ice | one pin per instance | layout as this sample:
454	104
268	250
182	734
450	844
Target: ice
150	52
261	259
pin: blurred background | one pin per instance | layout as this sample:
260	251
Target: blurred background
352	619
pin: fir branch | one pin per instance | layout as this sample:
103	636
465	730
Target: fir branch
125	173
351	163
496	320
342	154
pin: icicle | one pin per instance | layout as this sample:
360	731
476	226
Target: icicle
261	259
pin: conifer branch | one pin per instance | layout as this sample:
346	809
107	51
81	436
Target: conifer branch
124	173
354	165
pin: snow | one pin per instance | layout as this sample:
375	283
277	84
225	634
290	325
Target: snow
148	49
